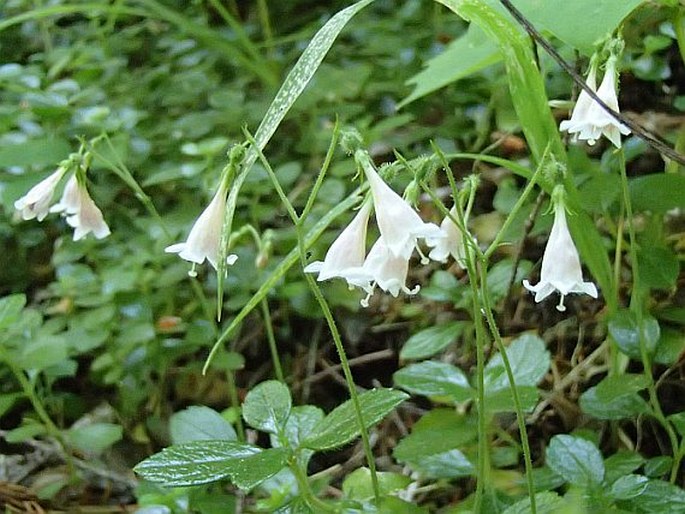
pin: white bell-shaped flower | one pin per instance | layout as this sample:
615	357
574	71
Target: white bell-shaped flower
399	224
383	269
205	236
451	244
80	210
36	203
561	269
347	252
589	121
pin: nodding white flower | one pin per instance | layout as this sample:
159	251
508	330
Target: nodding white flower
398	222
347	251
80	210
561	269
36	203
205	236
452	244
589	120
383	269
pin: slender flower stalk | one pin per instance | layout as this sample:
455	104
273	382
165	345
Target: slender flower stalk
561	269
204	238
36	202
80	210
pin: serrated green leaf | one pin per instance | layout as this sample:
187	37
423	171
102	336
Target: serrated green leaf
431	378
659	267
10	309
203	462
340	426
200	423
301	422
575	459
267	406
430	341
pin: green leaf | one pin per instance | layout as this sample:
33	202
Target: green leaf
575	459
621	463
200	424
658	192
678	421
35	152
10	309
615	397
529	361
463	57
659	496
658	466
267	406
623	327
301	422
357	485
95	438
431	448
340	426
203	462
430	341
546	503
628	486
43	352
659	267
431	378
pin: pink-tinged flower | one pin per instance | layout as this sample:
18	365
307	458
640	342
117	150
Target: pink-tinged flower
36	203
451	244
80	210
589	121
398	222
561	269
205	236
347	251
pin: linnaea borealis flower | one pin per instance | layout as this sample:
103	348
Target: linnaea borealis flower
399	224
80	210
561	269
36	203
589	120
451	244
205	236
347	252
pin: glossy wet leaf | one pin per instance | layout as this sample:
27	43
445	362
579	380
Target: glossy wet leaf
623	327
267	406
340	426
432	378
575	459
615	397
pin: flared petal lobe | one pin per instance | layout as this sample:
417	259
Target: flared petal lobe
36	202
561	270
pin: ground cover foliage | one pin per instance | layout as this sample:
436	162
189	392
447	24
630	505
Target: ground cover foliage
128	383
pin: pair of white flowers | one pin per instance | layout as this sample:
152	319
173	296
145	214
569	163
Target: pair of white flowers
387	264
589	121
76	205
